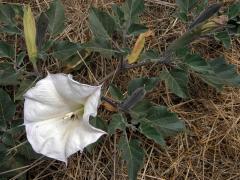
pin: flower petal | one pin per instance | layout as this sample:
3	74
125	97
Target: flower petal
91	105
60	138
54	96
71	90
43	102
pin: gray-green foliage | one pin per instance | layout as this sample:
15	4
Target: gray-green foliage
6	50
147	83
132	9
116	92
102	46
176	80
111	32
158	123
101	24
118	122
234	10
153	121
7	109
56	18
63	50
133	154
224	38
8	75
216	73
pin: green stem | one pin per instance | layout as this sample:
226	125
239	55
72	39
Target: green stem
36	69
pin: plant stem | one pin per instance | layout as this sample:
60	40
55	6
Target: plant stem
183	41
36	69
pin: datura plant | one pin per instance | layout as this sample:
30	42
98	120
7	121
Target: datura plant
56	116
60	114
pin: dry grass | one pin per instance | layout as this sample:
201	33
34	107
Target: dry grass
210	149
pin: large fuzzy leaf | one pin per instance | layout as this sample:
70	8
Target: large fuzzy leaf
159	123
7	109
176	80
63	50
133	8
116	92
133	154
185	5
42	25
224	37
224	74
56	18
7	14
101	24
102	46
234	10
147	83
8	76
197	63
6	50
118	122
216	73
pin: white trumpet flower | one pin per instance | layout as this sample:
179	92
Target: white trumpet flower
56	116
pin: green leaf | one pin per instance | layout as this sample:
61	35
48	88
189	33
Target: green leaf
159	123
147	83
24	86
8	139
176	80
2	148
140	110
20	57
6	50
183	16
12	30
185	5
63	50
102	46
133	154
42	25
216	73
117	122
197	63
101	24
234	10
27	152
7	109
234	26
224	37
133	8
97	122
152	133
116	92
119	14
224	74
43	54
182	52
150	55
16	128
7	14
8	76
136	29
56	18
